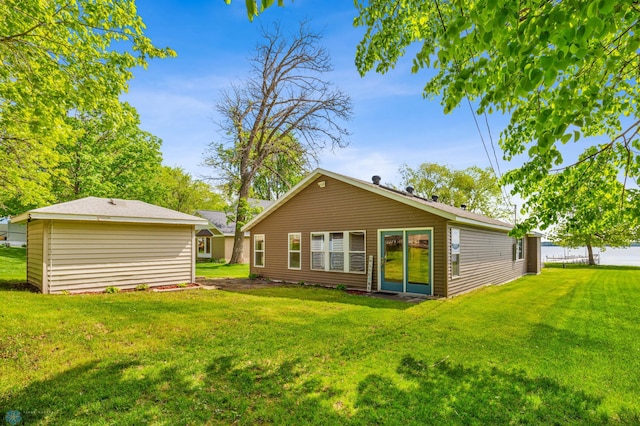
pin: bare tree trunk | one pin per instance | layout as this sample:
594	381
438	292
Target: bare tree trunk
590	251
241	218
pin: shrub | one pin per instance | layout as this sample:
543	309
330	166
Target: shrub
253	276
142	287
182	285
112	289
341	287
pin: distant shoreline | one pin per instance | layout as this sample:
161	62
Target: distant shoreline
550	244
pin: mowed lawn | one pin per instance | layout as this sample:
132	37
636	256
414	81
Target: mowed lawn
559	348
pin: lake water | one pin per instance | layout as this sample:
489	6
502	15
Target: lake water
611	256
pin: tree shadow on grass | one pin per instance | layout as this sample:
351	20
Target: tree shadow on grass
224	392
323	294
229	391
446	393
17	285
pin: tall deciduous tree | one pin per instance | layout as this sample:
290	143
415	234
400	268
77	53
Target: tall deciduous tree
59	56
105	157
597	216
178	190
474	187
561	70
284	108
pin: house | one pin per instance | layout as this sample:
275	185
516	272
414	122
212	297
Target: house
92	243
215	240
333	229
12	234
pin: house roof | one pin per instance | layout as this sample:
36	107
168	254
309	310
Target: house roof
110	210
219	221
451	213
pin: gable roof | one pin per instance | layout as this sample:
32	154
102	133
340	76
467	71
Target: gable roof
110	210
219	221
446	211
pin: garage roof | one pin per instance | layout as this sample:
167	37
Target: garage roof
110	210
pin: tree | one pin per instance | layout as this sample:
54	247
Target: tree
59	57
561	70
253	8
177	190
280	173
595	217
284	110
474	187
106	158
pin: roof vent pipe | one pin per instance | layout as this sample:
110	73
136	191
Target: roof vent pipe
434	198
463	206
376	179
410	189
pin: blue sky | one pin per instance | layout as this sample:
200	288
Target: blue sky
392	124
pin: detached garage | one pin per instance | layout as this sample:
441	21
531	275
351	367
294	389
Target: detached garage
93	243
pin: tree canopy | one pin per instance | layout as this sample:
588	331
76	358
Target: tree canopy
60	58
285	111
255	7
475	188
176	189
106	157
561	71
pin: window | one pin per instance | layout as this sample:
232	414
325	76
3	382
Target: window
258	250
518	249
204	245
339	251
356	252
317	252
294	251
455	252
336	251
455	265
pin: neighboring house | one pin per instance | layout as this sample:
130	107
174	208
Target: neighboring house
333	229
215	240
12	234
92	243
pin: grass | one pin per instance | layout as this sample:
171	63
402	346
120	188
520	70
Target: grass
13	264
222	270
559	348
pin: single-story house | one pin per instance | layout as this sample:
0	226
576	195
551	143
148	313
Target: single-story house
215	240
93	243
333	229
12	234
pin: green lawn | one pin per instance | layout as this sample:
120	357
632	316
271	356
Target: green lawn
222	270
559	348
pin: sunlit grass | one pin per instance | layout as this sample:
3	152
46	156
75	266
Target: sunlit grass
558	348
222	270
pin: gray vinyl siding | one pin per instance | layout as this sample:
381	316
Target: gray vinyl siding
337	207
35	235
486	257
87	256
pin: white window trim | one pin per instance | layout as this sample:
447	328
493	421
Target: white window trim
289	251
451	254
263	251
346	252
518	254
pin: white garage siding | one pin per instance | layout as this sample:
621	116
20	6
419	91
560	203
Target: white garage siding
35	258
89	256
